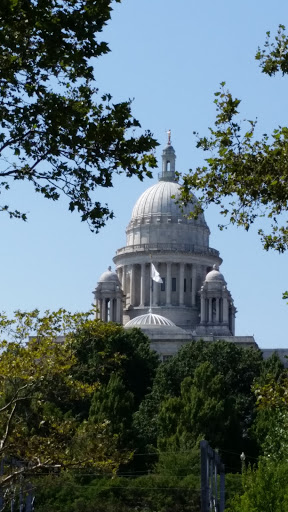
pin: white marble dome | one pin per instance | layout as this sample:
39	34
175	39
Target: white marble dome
157	219
157	200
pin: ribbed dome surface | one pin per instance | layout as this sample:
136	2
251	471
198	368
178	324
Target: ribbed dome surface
157	200
149	319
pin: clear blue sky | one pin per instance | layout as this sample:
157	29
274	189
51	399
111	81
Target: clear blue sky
170	56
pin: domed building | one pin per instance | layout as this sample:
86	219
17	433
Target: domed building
191	301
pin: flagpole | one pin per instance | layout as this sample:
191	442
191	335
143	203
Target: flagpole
150	308
155	276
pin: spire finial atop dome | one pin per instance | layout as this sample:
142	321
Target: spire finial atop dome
169	137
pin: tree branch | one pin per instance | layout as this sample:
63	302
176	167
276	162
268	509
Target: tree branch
8	425
15	398
9	142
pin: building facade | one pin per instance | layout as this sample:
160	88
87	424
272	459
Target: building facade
193	296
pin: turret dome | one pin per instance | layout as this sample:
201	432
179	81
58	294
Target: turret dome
215	276
109	276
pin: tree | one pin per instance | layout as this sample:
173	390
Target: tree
227	395
245	176
114	403
271	425
35	376
265	489
53	133
265	484
103	349
149	493
199	412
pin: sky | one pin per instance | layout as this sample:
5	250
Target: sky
170	57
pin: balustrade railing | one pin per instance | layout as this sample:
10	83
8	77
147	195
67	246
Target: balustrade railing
196	249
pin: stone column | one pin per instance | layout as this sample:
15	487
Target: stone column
202	310
193	291
210	311
119	272
225	311
158	285
124	284
118	311
217	311
104	311
123	281
132	285
181	284
168	284
203	272
233	321
97	306
111	310
142	285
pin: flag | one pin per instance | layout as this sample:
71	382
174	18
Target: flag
155	275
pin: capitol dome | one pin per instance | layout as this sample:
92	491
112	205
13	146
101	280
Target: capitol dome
160	199
158	219
161	233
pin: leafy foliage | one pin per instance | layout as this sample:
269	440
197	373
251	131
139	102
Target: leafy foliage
124	366
114	403
180	463
53	133
265	489
205	385
274	56
36	385
271	426
103	349
150	493
197	412
247	178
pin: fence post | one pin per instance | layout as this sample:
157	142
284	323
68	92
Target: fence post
204	476
211	467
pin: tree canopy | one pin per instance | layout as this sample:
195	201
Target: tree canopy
244	175
54	133
203	381
38	429
106	349
96	405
